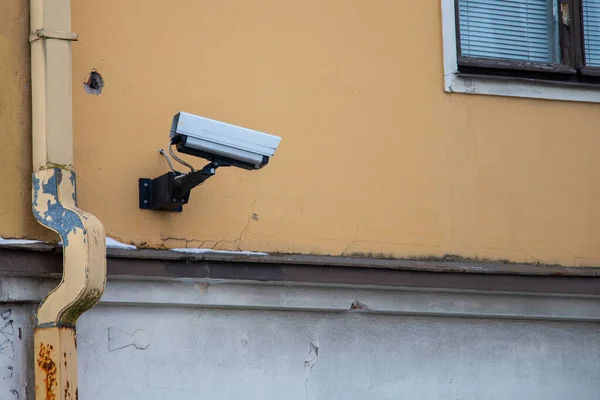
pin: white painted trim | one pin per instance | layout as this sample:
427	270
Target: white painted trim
513	87
265	296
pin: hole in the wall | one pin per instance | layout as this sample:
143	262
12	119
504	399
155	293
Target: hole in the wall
94	83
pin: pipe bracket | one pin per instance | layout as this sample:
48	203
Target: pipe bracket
49	34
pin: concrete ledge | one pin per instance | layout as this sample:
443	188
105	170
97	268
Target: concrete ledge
261	296
46	261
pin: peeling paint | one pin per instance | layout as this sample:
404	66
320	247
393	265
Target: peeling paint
85	265
55	216
72	179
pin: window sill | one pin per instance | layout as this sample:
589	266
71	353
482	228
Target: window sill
456	82
493	64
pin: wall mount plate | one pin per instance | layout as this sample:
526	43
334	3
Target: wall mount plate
157	194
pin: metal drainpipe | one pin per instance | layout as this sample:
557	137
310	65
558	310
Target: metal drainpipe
55	204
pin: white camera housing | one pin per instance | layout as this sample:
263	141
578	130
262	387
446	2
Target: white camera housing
222	142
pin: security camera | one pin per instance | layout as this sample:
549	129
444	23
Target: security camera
223	144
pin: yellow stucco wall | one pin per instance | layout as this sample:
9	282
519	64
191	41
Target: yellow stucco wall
16	219
375	156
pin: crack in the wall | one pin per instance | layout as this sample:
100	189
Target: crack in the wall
121	240
313	354
23	12
284	215
186	241
525	252
251	216
218	242
353	241
200	243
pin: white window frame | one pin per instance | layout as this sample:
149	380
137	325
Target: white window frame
454	82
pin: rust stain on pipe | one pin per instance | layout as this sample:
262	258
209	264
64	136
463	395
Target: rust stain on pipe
47	365
54	352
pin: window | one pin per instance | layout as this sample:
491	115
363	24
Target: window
518	30
529	47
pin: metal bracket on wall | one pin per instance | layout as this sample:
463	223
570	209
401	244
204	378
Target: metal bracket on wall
170	191
157	194
49	34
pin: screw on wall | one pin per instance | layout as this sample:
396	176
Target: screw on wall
94	83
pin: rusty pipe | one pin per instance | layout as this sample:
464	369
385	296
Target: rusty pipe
55	203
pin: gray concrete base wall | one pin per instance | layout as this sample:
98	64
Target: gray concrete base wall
189	340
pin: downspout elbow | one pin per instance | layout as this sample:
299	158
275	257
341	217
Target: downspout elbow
84	248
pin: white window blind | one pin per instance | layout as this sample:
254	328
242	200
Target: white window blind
510	29
591	32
